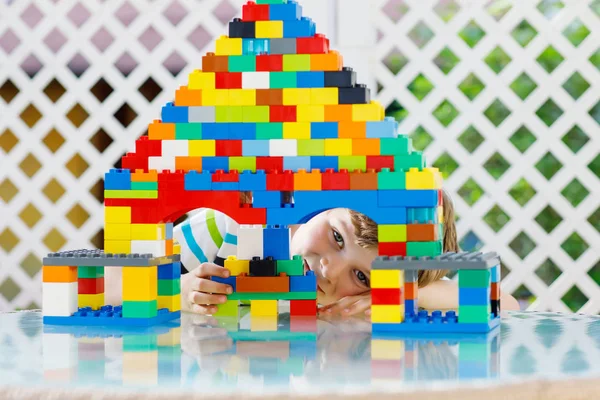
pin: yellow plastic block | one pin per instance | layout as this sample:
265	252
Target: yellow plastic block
428	178
269	29
140	283
117	246
310	113
367	112
387	279
237	267
169	339
117	231
202	148
263	323
242	97
324	96
148	232
90	300
338	147
387	349
263	308
117	215
215	97
202	80
229	46
387	314
296	96
441	214
176	248
173	303
296	130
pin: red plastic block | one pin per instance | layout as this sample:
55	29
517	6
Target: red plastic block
214	63
317	44
90	285
231	176
303	307
269	163
228	80
392	249
262	284
228	148
282	113
146	147
269	63
386	296
379	162
336	180
132	162
171	181
411	290
303	323
283	181
255	12
248	215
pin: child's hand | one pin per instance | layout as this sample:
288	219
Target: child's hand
201	295
350	305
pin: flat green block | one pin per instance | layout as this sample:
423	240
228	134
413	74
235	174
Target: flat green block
189	131
228	309
293	267
169	287
473	351
139	309
391	233
406	162
311	147
282	80
131	194
229	114
296	62
242	63
258	114
424	249
391	180
140	343
473	314
273	296
271	1
144	185
352	163
398	146
90	272
271	130
474	278
242	163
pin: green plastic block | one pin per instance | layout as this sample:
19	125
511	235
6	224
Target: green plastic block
228	309
144	185
399	146
296	62
311	147
473	314
352	163
293	267
229	114
391	233
169	287
90	272
140	343
272	130
256	113
242	63
424	249
242	163
271	1
406	162
473	351
474	278
273	296
282	80
189	131
139	309
391	180
131	194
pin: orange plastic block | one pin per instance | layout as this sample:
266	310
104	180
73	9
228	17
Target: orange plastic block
307	180
422	232
495	294
269	97
159	131
188	163
363	180
140	176
169	247
185	97
411	290
59	274
262	284
339	113
366	147
332	61
352	130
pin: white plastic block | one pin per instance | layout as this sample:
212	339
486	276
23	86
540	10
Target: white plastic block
250	242
59	299
255	80
161	163
174	148
155	247
202	114
283	147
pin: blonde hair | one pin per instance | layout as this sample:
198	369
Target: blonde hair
366	236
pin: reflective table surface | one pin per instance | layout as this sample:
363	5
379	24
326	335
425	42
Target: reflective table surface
293	357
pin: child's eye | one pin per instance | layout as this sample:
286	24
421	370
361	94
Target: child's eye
338	239
362	277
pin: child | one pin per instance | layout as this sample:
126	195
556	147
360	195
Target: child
338	245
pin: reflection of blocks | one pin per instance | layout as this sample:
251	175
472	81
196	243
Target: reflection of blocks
387	349
228	309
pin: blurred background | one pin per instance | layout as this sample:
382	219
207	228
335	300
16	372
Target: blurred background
502	96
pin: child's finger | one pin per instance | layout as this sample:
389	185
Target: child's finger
208	286
360	306
208	269
338	306
206	298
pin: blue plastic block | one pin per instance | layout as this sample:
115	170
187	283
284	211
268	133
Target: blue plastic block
387	215
228	281
214	130
304	27
496	272
195	180
285	12
213	164
324	130
324	163
388	128
171	113
307	283
296	163
242	131
306	349
310	79
255	148
473	296
429	328
250	181
117	179
169	271
266	199
254	47
226	186
410	306
423	215
407	198
111	316
169	231
276	242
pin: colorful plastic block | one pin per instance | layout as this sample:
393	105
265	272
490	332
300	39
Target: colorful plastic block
262	284
263	308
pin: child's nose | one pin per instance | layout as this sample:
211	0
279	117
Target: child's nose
331	268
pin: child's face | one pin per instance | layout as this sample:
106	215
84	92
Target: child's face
328	245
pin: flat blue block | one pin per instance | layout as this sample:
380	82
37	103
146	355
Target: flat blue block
407	198
307	283
227	281
304	27
195	180
169	231
117	179
255	148
296	163
174	114
430	328
388	128
214	130
422	215
324	163
213	164
310	79
305	349
254	47
242	131
110	318
267	199
250	181
169	271
324	130
226	186
285	12
387	215
276	242
473	296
